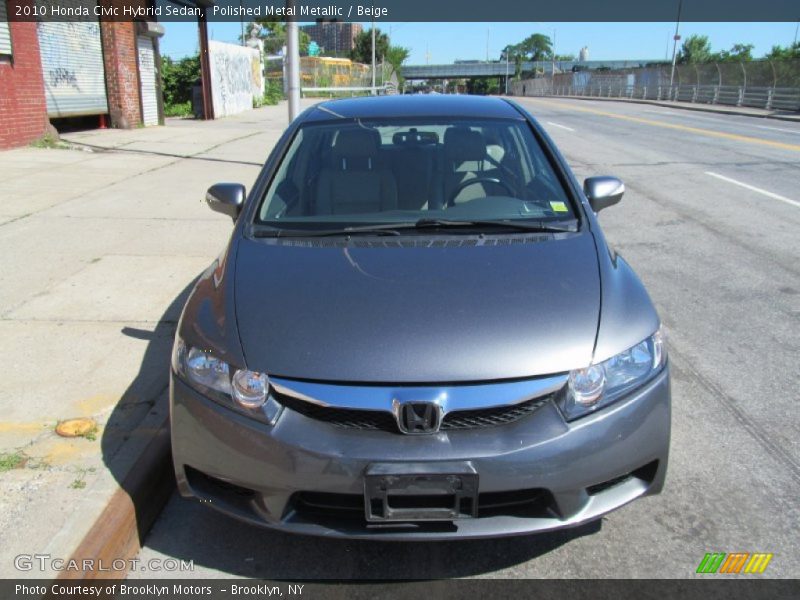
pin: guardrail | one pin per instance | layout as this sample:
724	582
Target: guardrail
761	97
772	85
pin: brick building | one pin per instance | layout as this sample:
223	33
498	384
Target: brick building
334	38
23	113
108	71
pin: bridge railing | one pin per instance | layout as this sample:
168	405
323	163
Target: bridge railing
772	85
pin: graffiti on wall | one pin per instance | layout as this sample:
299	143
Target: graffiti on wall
72	68
233	77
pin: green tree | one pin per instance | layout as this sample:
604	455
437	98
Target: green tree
362	46
515	55
537	47
273	34
695	49
737	53
784	52
396	56
178	78
481	86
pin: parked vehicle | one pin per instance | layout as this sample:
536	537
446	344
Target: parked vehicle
418	331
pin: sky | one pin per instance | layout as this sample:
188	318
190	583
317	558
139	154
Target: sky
435	43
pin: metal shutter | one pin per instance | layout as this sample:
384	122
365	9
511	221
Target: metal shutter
5	34
147	78
72	66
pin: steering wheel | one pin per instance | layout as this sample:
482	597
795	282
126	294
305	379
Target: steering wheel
465	184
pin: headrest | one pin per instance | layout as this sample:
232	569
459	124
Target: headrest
357	143
463	144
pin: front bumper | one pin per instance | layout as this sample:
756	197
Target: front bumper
536	474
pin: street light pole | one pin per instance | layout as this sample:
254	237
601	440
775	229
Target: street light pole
292	64
675	39
373	56
506	71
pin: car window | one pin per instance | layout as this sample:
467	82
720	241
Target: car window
355	171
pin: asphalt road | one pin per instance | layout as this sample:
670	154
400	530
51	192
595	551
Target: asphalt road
711	223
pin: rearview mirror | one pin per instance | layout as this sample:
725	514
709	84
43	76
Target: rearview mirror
226	198
603	192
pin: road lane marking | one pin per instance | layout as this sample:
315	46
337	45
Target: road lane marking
697	130
778	129
688	114
753	188
559	126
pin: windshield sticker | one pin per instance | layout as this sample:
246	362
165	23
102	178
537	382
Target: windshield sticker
559	207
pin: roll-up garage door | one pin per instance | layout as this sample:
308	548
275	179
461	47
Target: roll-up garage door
147	79
72	65
5	34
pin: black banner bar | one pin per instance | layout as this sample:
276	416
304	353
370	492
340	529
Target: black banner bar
409	10
710	587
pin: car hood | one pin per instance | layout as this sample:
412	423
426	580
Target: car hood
462	309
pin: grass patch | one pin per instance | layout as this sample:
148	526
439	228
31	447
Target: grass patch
48	140
12	460
183	109
78	484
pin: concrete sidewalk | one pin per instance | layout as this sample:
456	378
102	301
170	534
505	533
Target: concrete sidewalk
101	242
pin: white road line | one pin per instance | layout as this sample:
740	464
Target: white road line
752	188
778	129
559	126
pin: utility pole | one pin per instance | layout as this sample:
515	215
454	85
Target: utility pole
241	19
675	39
373	56
797	27
553	71
487	45
292	64
506	71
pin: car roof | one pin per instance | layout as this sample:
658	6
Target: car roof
418	105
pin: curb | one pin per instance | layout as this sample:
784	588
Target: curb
684	106
119	529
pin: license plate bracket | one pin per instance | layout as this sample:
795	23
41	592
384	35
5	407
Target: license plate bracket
408	492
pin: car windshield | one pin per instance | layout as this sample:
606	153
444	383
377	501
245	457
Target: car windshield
353	173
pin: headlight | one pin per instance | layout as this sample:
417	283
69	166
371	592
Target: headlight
601	384
210	375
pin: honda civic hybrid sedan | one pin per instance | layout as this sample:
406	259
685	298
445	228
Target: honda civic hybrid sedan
418	331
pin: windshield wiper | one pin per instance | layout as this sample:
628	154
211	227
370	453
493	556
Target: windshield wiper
520	225
382	229
395	228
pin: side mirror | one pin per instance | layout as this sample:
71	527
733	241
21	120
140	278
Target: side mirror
226	198
603	192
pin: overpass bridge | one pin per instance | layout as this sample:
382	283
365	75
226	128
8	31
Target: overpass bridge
464	70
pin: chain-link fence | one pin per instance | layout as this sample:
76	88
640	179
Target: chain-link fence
774	85
334	74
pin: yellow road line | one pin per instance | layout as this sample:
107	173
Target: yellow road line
697	130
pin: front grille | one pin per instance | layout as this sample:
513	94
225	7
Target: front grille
340	417
490	417
379	420
528	503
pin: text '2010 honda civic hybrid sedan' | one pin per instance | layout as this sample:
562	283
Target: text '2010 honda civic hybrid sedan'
417	331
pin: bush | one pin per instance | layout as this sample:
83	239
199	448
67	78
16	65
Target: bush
183	109
273	92
178	78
